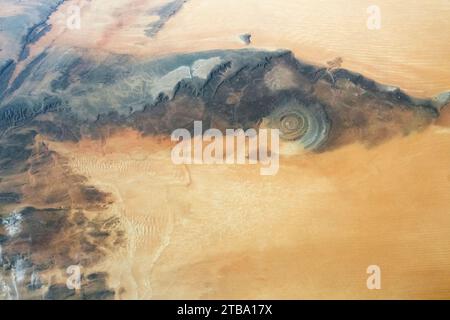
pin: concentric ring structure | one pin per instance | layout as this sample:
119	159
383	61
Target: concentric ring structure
307	125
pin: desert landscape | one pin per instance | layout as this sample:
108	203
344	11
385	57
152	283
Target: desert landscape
86	176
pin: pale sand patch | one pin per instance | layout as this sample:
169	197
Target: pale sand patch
11	11
309	232
410	50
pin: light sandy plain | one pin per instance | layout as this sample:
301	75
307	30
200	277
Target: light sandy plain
411	50
309	232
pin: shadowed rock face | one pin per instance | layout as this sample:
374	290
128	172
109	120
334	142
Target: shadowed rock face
66	94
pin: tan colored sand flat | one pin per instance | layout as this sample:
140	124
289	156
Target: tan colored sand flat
410	50
309	232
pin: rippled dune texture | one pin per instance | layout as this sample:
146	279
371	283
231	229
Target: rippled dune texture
309	232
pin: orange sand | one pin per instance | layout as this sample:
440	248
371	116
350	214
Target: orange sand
309	232
410	50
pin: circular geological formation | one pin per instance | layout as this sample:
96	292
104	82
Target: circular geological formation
307	126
